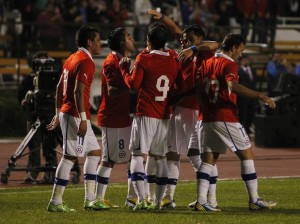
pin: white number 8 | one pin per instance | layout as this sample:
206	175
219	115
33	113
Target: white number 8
164	89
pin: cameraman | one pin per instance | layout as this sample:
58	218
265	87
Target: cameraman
42	136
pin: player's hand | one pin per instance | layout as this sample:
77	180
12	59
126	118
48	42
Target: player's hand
185	54
125	63
269	102
53	124
156	15
82	128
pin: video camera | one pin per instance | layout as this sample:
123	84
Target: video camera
44	82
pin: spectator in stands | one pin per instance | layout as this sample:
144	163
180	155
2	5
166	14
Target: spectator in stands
143	20
259	31
73	19
246	11
97	12
292	8
275	68
50	29
273	13
246	106
118	14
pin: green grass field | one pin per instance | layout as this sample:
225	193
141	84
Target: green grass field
28	205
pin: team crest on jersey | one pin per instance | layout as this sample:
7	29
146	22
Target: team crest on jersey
79	149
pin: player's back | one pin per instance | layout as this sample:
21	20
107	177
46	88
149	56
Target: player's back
219	101
160	71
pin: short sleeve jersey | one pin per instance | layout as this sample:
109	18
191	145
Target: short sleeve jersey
219	103
189	71
154	75
79	66
113	111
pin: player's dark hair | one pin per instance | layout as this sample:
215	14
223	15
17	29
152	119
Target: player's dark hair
232	40
115	38
198	30
156	24
84	34
158	37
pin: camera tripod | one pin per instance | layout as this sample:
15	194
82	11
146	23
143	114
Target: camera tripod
12	165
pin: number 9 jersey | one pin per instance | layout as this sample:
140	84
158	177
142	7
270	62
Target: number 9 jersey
154	75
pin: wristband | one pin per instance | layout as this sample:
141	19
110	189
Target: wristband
83	116
194	49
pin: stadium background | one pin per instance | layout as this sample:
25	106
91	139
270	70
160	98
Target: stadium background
23	27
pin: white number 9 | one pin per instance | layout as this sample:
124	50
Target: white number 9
164	89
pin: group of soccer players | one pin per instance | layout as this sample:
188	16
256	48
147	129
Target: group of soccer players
186	105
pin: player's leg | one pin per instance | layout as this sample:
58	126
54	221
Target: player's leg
158	149
139	145
236	138
173	161
131	198
250	179
209	158
69	126
150	180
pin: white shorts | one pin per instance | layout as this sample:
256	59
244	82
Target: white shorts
149	135
115	144
218	136
73	145
196	137
183	130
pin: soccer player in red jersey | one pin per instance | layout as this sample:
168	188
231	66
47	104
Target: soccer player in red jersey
113	115
217	82
153	76
186	119
73	115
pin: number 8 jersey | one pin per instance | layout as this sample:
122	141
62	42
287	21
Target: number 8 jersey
154	75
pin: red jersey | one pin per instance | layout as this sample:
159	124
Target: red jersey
154	75
79	66
113	111
189	71
219	102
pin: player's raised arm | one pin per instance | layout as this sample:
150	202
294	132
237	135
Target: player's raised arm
168	22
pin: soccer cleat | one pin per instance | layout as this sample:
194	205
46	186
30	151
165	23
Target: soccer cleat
59	208
167	203
130	203
108	203
192	205
154	207
262	204
95	205
205	207
141	205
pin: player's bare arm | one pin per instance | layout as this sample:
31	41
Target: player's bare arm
244	91
191	51
168	22
79	101
58	102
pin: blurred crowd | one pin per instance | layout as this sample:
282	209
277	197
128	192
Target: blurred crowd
51	24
